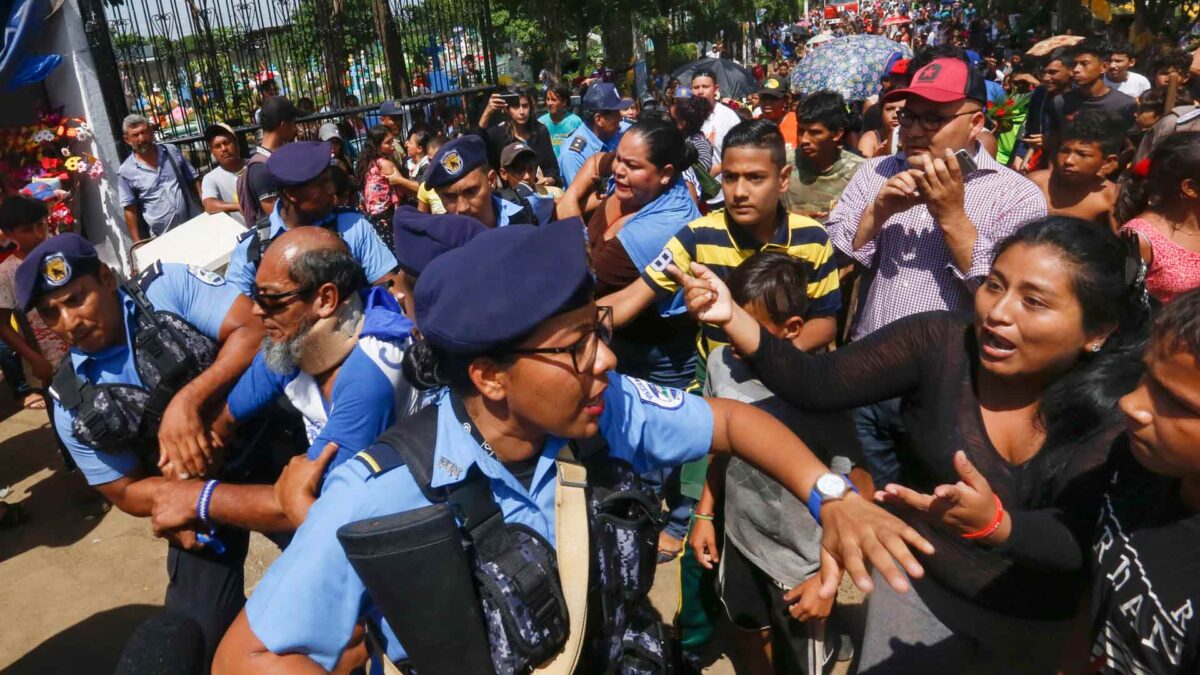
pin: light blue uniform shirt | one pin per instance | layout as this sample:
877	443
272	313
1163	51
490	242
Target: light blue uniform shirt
352	226
311	598
199	297
369	393
580	145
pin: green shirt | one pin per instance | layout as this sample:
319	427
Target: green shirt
560	130
812	192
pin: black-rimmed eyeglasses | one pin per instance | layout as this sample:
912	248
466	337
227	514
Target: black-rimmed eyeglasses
583	351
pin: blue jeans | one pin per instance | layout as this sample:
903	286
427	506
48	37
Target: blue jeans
880	429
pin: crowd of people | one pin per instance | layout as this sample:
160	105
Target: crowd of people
479	378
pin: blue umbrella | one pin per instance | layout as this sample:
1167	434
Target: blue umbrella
851	66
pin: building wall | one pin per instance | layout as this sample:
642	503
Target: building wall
75	87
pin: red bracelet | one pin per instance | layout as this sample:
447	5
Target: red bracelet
992	526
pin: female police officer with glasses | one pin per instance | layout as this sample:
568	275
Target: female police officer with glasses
511	327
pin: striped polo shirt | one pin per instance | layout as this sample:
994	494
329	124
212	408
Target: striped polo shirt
721	245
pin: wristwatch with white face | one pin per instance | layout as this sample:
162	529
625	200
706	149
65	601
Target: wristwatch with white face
829	487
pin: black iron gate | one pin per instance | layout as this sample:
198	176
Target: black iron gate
185	64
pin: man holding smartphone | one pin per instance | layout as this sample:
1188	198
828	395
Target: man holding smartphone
926	219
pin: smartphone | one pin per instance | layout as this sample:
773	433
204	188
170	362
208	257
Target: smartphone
511	100
965	163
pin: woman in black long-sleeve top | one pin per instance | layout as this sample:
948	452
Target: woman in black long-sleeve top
1026	389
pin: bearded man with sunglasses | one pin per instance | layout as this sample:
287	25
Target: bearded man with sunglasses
922	225
148	358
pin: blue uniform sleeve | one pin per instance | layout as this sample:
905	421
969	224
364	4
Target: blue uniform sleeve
200	297
368	249
651	426
240	274
364	406
97	467
257	387
310	598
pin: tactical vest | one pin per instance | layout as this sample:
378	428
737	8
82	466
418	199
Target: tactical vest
167	353
515	569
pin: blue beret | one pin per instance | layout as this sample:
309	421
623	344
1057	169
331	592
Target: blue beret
51	265
455	159
602	96
299	162
501	285
421	237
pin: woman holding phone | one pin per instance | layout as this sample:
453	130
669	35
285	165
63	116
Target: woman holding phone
518	125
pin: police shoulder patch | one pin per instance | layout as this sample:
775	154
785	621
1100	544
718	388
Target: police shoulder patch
657	395
578	144
210	278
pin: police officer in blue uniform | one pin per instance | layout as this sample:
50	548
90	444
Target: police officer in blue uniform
463	179
307	196
158	348
600	132
513	333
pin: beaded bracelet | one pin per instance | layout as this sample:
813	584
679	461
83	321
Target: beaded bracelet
205	501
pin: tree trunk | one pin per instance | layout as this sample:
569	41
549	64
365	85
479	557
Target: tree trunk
393	49
1070	15
617	32
550	16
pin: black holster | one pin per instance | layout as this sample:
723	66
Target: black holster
433	608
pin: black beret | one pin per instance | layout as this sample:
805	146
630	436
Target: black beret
456	159
51	265
299	162
501	285
421	237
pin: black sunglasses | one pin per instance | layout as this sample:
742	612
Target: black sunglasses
270	301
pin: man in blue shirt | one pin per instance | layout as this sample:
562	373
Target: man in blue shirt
307	197
159	189
463	180
118	373
510	325
600	132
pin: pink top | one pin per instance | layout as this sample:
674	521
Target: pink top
378	194
1174	268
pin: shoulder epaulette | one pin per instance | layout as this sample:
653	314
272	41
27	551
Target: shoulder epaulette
379	459
245	235
148	275
578	144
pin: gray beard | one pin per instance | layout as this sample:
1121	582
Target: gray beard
284	357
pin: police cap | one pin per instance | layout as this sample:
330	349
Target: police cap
51	265
299	162
456	159
501	285
602	96
421	237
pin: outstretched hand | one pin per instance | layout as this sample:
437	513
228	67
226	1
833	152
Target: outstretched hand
299	484
856	532
707	297
966	506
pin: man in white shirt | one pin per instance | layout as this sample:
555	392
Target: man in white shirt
1119	76
218	189
722	118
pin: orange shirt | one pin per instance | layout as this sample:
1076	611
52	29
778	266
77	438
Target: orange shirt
787	127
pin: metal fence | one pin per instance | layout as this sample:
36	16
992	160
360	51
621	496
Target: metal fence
185	64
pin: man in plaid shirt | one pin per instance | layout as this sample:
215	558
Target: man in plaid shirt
922	230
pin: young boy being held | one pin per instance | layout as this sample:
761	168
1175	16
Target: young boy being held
1077	183
769	564
1143	614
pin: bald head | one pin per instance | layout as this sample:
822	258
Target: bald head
288	246
309	258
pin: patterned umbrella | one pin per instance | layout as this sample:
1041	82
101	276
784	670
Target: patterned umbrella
851	66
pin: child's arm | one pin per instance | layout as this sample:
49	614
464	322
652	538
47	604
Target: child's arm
41	367
703	537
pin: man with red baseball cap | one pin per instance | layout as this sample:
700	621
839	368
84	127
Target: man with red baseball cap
931	225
